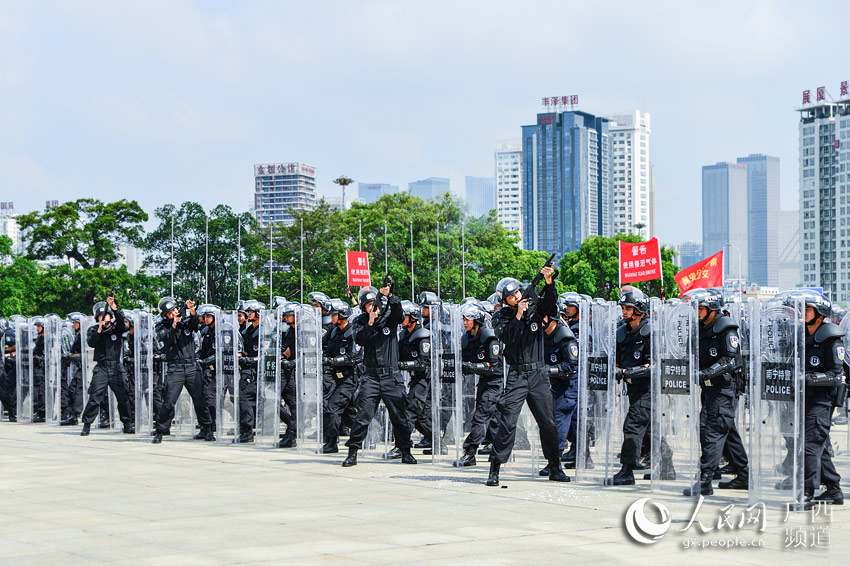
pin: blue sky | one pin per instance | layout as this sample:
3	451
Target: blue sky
173	101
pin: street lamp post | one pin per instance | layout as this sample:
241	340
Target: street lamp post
343	182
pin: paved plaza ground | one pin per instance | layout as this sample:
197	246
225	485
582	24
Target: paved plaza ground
117	499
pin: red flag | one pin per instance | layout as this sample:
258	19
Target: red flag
702	275
640	261
357	267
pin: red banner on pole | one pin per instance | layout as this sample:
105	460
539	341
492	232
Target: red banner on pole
357	267
702	275
640	261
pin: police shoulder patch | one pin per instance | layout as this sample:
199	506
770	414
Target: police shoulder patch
426	347
733	340
495	349
840	352
574	350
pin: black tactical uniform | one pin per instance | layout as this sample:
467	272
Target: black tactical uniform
8	379
561	355
527	379
339	381
288	388
178	349
108	370
248	380
206	357
382	380
481	354
414	350
72	382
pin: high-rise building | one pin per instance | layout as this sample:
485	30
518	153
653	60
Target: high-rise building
825	193
566	181
371	192
763	214
651	200
631	173
508	159
689	253
9	227
480	195
430	188
725	217
279	187
789	249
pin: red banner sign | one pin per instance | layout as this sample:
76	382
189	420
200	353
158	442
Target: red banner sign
639	262
357	267
702	275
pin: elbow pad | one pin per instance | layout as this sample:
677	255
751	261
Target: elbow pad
820	379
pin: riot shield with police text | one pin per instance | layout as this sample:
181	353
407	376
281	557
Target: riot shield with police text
228	345
23	362
143	352
308	379
599	413
740	313
675	393
52	369
446	383
267	427
777	394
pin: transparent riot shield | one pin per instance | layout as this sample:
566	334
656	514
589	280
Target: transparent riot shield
740	313
777	394
308	379
599	413
23	366
675	393
268	380
446	383
227	348
143	351
86	359
840	432
52	369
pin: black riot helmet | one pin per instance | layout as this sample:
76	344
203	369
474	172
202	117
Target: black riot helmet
340	308
712	299
507	287
494	299
428	298
240	306
99	309
473	311
366	295
323	300
468	300
278	301
822	305
253	306
412	310
206	309
166	305
635	298
571	298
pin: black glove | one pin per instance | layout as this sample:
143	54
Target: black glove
287	364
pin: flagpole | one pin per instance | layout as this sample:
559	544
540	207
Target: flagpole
271	261
239	261
207	263
412	292
386	257
438	258
302	260
463	257
172	254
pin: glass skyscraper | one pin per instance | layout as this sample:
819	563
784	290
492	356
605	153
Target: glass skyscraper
430	188
763	214
371	192
279	187
567	190
480	195
725	217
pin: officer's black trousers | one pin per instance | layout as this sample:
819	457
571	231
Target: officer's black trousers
636	424
111	375
338	394
486	396
374	388
178	376
247	399
8	389
288	395
717	428
38	390
819	468
209	393
418	402
532	387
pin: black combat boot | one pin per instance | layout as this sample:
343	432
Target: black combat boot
393	454
424	443
568	458
330	447
624	477
832	494
556	473
129	428
201	434
407	457
157	438
486	449
70	421
209	436
468	459
704	486
86	429
351	460
493	478
741	481
244	438
287	441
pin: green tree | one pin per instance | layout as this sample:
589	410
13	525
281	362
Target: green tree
593	269
19	282
190	241
86	230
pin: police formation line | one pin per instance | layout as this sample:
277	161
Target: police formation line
635	384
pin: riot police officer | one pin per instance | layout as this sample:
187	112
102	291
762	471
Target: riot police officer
248	360
8	385
206	356
129	360
322	301
339	380
38	370
106	338
426	300
561	355
175	333
288	388
720	366
481	358
825	390
414	348
633	358
520	329
72	385
376	331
